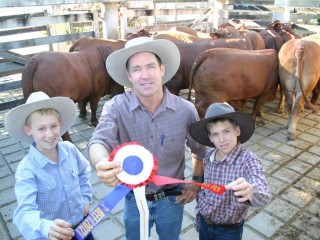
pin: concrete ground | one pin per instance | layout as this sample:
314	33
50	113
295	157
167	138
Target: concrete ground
292	169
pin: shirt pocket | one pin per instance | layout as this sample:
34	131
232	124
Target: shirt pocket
172	147
173	140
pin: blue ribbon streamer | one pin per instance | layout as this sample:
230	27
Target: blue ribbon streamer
101	211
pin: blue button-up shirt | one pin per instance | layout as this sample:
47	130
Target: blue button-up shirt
46	190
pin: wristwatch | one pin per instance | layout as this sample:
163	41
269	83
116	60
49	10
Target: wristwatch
199	179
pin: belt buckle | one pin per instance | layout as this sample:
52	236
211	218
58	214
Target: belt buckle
159	196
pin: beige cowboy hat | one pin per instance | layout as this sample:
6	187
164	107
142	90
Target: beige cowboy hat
165	49
199	131
16	118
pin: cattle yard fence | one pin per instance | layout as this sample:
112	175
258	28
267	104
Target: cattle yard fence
21	36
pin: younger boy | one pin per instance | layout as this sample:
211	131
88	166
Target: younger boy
52	186
227	163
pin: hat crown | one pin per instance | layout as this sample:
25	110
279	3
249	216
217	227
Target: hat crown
136	41
37	96
217	109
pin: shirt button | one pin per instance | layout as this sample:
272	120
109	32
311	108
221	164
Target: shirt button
151	137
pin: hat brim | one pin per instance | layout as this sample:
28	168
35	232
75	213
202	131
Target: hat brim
199	133
15	119
165	49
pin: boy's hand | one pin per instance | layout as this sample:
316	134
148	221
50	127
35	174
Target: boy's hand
241	189
60	229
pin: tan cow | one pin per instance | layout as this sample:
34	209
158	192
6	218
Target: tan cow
299	70
180	37
224	75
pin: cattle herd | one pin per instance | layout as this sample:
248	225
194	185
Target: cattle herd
231	64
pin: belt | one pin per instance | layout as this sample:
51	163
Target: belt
162	194
227	226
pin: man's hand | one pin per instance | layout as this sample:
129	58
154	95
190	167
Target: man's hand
189	193
241	189
60	229
107	172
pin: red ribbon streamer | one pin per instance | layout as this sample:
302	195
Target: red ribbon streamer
162	180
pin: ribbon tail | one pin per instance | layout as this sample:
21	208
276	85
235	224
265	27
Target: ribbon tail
140	196
101	211
162	180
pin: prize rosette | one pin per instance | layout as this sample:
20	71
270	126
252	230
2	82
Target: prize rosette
139	168
138	163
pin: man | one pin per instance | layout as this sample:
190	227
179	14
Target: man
151	115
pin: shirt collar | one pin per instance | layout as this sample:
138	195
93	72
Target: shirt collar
43	160
231	157
167	101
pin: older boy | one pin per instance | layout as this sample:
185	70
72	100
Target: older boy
52	186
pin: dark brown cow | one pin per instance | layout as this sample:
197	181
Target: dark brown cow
81	76
189	52
300	76
84	43
283	30
271	39
219	75
140	33
252	38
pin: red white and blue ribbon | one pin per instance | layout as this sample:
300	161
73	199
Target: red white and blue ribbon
139	168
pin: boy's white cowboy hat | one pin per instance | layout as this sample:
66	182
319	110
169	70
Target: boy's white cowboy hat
166	50
199	130
16	118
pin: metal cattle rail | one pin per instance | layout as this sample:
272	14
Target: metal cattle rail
13	63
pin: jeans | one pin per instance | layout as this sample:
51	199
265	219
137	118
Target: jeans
219	233
165	214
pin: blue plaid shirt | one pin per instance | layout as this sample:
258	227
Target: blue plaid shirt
46	191
225	209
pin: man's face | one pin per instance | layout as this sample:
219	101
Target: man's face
145	73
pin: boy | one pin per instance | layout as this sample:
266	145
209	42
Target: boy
227	163
52	186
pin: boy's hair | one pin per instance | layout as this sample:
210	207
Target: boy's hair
234	123
41	112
